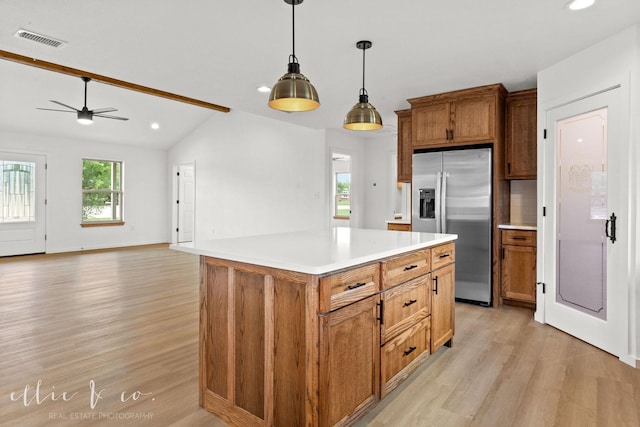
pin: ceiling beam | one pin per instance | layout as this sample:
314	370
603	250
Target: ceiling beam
50	66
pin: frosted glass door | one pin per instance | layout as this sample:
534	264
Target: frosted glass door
22	199
582	213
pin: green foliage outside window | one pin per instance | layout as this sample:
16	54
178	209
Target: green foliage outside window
101	190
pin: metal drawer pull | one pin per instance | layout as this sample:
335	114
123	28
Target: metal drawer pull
444	255
411	302
411	267
435	279
519	238
408	352
357	285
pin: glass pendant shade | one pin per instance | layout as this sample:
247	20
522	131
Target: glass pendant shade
363	116
294	92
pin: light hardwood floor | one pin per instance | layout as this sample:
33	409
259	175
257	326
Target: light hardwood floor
126	321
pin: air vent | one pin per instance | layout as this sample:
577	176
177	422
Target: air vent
38	38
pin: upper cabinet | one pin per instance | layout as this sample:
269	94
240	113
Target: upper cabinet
466	116
405	152
521	135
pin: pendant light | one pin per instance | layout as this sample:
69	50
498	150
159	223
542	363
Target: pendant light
293	92
363	116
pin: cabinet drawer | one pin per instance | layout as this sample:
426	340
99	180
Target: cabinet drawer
348	286
398	227
404	306
519	237
405	267
442	255
398	353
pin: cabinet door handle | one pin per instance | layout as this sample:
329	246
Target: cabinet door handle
411	267
435	289
446	134
408	352
509	167
381	305
612	221
444	255
410	302
357	285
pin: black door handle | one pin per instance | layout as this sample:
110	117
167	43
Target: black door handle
435	279
611	221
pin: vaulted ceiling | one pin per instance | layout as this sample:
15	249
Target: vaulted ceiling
222	51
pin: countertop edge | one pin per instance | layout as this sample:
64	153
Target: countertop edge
316	270
517	227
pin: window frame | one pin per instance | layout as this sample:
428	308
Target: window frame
117	210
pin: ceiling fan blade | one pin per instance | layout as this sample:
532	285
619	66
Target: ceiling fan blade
104	110
110	117
64	105
51	109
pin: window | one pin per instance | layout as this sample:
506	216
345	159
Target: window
341	186
101	192
17	191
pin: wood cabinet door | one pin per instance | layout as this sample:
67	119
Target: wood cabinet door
521	138
430	125
442	306
405	148
349	375
473	120
519	273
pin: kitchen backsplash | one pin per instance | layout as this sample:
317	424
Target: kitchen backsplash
523	202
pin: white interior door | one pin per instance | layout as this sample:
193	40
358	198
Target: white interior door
186	203
22	194
584	186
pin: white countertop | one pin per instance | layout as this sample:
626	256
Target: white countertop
317	251
518	227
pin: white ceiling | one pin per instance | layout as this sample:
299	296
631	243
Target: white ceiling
221	51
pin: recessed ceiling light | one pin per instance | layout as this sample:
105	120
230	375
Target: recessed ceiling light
580	4
155	126
264	89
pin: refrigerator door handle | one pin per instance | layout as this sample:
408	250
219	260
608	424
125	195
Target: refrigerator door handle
443	202
438	202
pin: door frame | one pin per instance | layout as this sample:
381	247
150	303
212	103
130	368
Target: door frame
546	230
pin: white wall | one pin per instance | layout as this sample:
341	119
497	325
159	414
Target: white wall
380	180
254	176
613	61
145	192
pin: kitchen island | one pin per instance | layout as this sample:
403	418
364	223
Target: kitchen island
313	328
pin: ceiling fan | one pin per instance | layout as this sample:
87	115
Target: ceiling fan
85	116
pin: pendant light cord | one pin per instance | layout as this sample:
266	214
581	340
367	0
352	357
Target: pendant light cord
363	91
293	31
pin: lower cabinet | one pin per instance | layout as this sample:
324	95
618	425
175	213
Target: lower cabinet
349	362
518	267
442	306
280	348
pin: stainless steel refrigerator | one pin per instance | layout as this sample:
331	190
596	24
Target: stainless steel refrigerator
451	193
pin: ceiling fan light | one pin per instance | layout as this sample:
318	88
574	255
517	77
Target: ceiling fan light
294	92
85	117
363	116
